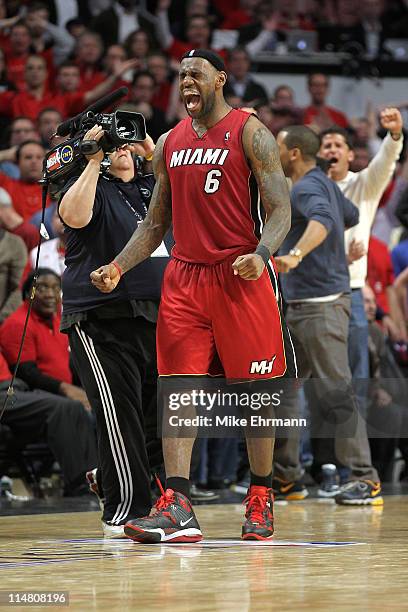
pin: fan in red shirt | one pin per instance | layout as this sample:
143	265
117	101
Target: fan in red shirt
45	356
25	192
380	273
318	113
37	96
88	53
18	49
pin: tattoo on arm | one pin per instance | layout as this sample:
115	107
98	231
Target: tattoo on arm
153	228
263	155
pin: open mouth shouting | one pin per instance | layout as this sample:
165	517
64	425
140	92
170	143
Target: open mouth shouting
333	160
192	101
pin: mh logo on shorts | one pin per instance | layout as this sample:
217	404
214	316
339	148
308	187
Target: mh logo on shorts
262	367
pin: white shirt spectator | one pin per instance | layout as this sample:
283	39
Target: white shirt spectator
365	189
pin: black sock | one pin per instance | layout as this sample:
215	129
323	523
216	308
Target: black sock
261	481
179	484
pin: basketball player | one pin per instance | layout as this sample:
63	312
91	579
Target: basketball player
219	295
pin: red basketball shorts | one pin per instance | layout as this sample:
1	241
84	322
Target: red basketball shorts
213	322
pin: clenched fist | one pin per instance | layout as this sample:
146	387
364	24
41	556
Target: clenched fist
106	278
391	120
249	267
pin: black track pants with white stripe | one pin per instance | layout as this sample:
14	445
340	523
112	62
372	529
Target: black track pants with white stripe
116	361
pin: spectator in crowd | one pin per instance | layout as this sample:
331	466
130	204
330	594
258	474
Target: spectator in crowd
267	117
284	108
37	96
284	116
13	255
380	278
21	129
25	192
283	96
68	78
113	55
198	34
45	35
318	317
387	418
158	65
318	113
52	252
364	133
290	18
88	56
202	8
141	96
76	27
34	416
45	358
47	123
138	45
17	53
264	22
269	27
11	221
361	158
116	23
240	83
365	189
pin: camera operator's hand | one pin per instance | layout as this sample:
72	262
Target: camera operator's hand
105	278
144	148
95	133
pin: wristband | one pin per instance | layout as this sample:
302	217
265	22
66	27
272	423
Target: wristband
119	269
149	157
263	251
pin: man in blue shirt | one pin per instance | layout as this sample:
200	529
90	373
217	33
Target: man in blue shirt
316	286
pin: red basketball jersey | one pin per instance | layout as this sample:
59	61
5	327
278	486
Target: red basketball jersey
215	199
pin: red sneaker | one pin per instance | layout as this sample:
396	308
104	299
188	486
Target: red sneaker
173	521
259	514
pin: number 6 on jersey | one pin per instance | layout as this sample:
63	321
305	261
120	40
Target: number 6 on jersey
212	184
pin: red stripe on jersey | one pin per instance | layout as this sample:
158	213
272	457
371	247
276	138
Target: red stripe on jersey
215	202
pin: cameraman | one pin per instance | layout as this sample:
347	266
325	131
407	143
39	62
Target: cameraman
112	335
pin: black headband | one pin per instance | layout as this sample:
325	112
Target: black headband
210	56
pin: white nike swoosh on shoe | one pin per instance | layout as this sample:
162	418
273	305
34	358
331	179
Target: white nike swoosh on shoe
183	523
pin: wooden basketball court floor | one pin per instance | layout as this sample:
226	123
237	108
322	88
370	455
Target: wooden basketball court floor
323	557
